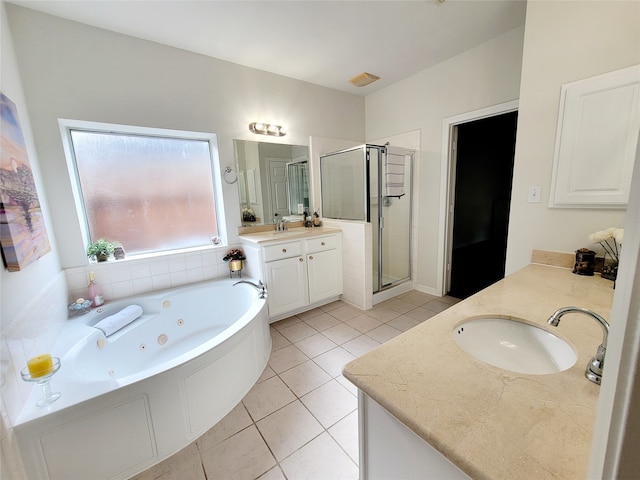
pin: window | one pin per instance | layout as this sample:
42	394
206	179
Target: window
151	190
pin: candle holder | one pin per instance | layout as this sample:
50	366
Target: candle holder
48	397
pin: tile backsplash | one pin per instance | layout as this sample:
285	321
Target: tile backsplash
135	276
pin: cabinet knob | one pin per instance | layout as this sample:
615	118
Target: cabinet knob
301	259
284	250
322	244
310	257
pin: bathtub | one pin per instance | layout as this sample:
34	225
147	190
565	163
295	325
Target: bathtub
136	397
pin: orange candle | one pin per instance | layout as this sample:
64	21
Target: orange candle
40	365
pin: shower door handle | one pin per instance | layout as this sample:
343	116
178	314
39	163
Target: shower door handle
381	223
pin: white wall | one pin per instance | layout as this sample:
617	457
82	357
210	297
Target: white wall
563	42
71	70
486	75
33	300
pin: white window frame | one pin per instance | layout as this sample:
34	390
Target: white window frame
67	125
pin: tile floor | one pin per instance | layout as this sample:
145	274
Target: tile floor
300	420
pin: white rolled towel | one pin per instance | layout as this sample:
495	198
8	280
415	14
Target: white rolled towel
111	324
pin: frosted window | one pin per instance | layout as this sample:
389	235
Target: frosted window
149	193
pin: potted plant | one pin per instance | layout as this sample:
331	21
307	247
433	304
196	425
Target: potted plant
235	258
100	249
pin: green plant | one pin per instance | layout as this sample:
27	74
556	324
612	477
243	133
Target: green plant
101	249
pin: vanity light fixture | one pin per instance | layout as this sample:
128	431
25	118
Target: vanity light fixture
267	129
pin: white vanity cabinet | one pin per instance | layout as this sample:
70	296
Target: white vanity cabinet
389	449
300	273
324	268
285	271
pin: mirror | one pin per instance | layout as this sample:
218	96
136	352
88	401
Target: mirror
273	178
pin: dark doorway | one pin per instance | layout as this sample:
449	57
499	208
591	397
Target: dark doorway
483	176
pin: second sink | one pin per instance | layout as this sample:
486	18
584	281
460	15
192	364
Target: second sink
514	345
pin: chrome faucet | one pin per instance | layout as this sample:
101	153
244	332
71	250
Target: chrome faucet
262	291
594	368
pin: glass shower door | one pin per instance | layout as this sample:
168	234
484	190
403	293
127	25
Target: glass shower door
352	184
343	177
395	234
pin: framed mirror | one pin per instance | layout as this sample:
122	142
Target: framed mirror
273	178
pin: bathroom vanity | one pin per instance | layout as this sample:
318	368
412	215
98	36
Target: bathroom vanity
301	267
428	406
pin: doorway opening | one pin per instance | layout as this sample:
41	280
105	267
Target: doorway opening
481	179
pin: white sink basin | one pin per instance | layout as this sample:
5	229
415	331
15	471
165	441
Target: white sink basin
514	345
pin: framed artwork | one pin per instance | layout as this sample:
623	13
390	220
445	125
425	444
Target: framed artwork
23	235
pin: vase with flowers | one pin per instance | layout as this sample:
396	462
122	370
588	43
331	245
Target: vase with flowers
234	258
611	241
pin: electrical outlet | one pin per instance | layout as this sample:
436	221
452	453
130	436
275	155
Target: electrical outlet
535	191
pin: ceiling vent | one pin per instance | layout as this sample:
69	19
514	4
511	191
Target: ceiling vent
363	79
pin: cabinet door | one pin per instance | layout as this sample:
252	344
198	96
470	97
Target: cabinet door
325	275
286	285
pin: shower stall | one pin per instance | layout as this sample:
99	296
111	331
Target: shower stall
372	183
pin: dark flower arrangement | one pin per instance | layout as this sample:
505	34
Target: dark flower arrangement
234	255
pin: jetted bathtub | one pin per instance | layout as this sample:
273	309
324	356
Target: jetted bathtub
136	397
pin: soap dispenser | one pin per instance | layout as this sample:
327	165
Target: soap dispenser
95	294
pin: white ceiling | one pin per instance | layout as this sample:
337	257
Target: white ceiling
321	42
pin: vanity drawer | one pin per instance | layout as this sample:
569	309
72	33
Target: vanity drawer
282	250
322	243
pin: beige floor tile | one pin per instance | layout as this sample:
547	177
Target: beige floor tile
341	333
404	322
236	420
416	298
288	429
192	470
399	306
360	345
384	333
420	314
286	358
277	340
309	314
347	384
320	459
185	465
330	403
280	324
345	432
267	397
345	312
266	374
437	306
450	300
274	474
382	313
322	322
244	456
315	345
363	323
333	361
305	377
298	331
332	306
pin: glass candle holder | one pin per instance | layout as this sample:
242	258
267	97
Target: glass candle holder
48	397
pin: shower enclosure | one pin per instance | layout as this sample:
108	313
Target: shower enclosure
372	183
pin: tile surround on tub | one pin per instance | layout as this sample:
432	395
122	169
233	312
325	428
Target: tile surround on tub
134	276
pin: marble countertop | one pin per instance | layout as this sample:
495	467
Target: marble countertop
490	422
290	234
